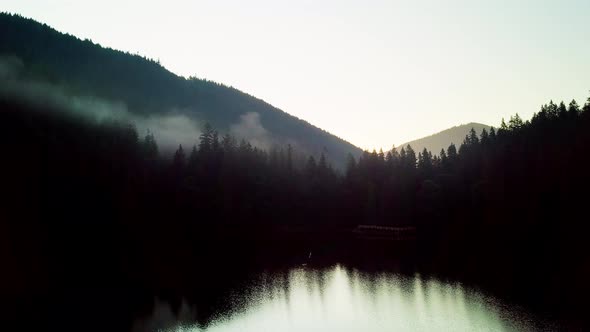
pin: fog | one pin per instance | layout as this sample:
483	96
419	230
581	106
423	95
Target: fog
171	128
250	129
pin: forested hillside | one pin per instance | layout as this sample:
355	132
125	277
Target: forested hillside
93	202
443	139
93	212
87	69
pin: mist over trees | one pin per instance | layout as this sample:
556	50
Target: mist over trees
510	198
87	69
96	207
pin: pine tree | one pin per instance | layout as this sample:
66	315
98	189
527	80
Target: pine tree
215	146
420	161
403	159
206	139
410	159
574	109
516	123
444	160
381	156
193	159
425	160
130	133
551	110
484	137
472	139
350	165
562	110
228	144
322	165
452	152
395	158
389	160
311	167
436	162
150	147
503	130
179	158
586	107
492	134
274	157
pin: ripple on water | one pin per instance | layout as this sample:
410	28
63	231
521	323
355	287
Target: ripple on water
341	299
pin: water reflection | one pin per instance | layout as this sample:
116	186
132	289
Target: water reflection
340	299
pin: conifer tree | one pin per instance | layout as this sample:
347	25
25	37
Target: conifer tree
150	147
206	139
179	158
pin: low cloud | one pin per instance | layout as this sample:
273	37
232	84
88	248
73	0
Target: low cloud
10	67
171	128
250	128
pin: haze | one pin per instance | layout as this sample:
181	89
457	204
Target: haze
373	72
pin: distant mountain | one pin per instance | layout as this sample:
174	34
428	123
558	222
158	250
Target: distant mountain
146	88
442	140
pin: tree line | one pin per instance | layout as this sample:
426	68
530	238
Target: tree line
87	69
97	202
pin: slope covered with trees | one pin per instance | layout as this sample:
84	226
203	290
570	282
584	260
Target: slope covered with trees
443	139
86	68
92	206
92	211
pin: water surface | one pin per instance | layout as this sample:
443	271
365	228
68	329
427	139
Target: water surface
340	299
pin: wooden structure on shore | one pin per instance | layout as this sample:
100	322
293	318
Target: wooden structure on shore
385	233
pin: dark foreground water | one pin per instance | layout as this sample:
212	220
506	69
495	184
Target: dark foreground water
341	299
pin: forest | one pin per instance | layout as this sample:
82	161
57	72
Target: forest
95	207
135	198
82	67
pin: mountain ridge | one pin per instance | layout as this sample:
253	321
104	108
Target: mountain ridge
147	88
442	139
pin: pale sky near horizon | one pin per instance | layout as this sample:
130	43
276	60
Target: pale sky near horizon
373	72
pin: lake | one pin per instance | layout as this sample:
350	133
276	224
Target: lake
345	299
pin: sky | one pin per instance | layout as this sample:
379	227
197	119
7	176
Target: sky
376	73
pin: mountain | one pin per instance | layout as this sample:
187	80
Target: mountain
434	143
83	68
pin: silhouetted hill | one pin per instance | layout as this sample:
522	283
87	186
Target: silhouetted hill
434	143
145	87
